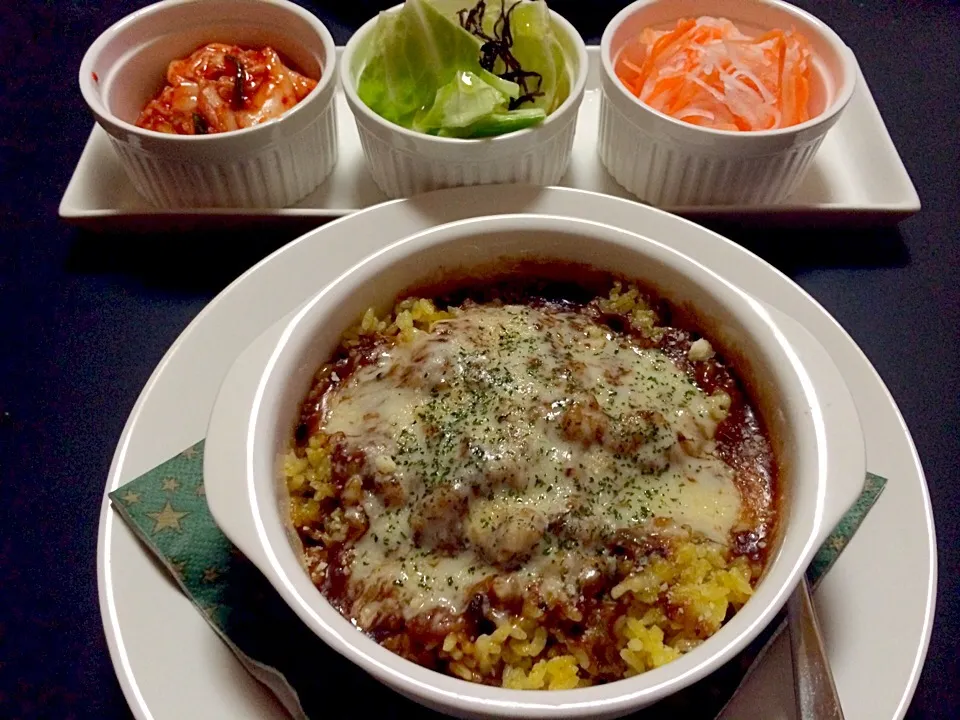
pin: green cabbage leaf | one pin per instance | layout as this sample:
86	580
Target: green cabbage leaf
424	70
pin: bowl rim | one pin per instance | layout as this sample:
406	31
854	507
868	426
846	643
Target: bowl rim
572	101
829	113
430	686
104	115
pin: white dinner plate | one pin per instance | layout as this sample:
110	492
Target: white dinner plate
857	176
876	604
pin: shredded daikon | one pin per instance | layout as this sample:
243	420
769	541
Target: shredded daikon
707	72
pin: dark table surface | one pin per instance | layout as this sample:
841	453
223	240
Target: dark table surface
84	319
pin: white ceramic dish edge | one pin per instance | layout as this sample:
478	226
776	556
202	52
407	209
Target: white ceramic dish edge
262	538
239	386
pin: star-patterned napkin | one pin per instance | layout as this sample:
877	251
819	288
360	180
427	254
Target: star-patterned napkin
167	509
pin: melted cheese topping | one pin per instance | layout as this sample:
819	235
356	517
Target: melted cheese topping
521	439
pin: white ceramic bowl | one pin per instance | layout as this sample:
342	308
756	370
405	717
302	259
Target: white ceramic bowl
404	162
269	165
804	400
668	162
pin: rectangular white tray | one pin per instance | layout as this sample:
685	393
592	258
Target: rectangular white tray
857	176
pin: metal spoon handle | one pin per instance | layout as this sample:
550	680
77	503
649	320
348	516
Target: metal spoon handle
816	692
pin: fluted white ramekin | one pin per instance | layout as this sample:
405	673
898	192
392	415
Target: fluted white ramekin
269	165
667	162
404	162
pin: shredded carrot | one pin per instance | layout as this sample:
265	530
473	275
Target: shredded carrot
707	72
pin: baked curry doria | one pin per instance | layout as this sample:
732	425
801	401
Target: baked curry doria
530	486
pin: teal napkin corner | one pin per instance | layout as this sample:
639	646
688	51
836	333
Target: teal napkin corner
167	509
